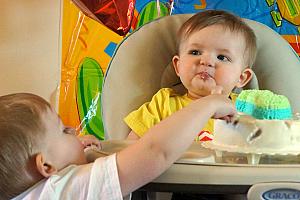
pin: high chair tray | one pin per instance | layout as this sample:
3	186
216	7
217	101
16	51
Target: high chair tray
245	150
198	170
198	155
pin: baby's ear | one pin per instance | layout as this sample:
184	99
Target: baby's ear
245	77
175	61
44	168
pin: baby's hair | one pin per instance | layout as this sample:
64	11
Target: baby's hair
21	129
226	19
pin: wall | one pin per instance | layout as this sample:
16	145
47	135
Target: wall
29	47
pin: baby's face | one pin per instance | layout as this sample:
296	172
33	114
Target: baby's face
209	57
62	146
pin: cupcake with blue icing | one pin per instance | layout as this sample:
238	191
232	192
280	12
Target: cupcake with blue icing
264	104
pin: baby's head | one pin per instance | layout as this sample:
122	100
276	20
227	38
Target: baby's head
223	44
34	143
229	21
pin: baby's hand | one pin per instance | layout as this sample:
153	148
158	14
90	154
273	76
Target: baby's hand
90	140
225	109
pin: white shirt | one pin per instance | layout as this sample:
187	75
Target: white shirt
94	181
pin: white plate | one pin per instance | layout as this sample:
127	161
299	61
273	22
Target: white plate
236	149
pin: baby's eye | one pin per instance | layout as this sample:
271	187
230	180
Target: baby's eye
69	130
223	58
194	52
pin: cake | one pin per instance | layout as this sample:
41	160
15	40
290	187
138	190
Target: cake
264	125
250	135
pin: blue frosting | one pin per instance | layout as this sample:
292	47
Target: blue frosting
263	113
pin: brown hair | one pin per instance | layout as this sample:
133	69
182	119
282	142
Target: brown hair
21	129
228	20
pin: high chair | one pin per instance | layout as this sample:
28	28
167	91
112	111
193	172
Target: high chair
274	190
141	65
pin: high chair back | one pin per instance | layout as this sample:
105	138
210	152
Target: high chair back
142	65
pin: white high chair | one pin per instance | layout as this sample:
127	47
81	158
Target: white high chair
274	190
141	66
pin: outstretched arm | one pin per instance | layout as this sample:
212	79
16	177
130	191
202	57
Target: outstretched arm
132	136
165	142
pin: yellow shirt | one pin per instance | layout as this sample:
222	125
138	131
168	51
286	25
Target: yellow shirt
163	104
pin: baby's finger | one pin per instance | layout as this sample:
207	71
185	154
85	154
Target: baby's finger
217	90
88	140
97	143
227	118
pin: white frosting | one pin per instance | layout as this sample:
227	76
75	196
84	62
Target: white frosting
258	135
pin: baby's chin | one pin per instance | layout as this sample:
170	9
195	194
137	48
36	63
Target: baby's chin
82	160
205	89
198	94
206	84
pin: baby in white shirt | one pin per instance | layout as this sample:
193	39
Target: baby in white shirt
43	159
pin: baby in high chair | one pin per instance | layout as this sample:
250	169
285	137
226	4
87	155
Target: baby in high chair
215	51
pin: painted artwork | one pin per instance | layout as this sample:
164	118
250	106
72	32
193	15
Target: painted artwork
88	45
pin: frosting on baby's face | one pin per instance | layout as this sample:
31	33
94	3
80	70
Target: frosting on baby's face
209	57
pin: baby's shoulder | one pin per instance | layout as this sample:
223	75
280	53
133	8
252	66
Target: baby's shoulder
167	92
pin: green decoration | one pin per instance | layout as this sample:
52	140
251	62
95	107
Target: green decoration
89	89
149	13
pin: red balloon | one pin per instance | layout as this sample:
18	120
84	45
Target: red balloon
117	15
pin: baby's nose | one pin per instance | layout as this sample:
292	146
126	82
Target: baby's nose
206	60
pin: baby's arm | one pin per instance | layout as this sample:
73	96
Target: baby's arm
132	136
165	142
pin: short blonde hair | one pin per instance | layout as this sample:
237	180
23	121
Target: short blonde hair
226	19
21	129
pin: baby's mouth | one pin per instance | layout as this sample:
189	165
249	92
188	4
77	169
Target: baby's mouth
204	75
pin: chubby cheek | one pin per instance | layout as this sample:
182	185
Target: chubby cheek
80	152
226	80
221	78
188	73
77	149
